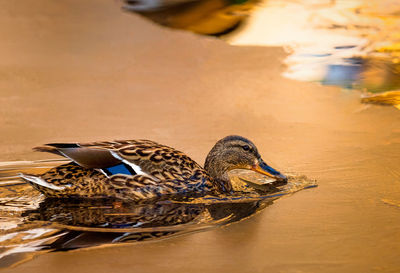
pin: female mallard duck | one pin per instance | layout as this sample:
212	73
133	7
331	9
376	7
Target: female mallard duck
143	169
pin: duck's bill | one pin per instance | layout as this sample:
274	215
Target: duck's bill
264	169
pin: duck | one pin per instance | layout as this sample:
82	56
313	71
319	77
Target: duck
134	170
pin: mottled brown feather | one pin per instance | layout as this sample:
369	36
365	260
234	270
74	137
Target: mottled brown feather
171	172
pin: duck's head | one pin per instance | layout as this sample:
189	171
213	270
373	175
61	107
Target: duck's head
236	152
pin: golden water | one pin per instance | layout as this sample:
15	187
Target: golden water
83	70
32	225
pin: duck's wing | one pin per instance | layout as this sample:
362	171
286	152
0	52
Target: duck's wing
73	181
129	157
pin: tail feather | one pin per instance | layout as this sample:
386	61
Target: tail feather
48	149
38	182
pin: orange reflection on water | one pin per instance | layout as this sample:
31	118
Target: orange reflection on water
348	43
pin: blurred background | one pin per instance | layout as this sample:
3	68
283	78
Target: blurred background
352	44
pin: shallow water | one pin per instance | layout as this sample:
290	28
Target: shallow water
32	225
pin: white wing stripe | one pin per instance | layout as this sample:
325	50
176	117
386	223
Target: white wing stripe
135	167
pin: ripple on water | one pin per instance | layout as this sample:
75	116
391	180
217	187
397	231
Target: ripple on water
32	225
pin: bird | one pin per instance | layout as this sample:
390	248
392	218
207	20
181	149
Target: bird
136	170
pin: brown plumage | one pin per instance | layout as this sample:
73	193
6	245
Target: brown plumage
144	169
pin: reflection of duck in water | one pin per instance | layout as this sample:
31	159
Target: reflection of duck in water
114	215
109	216
143	169
209	17
86	223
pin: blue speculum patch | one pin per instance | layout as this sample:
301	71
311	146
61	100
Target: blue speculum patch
119	169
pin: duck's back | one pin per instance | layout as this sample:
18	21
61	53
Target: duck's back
128	169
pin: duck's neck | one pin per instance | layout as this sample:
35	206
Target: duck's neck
223	183
218	173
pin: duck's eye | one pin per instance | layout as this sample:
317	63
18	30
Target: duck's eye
246	147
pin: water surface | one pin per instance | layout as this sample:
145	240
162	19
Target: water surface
84	71
353	44
32	225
